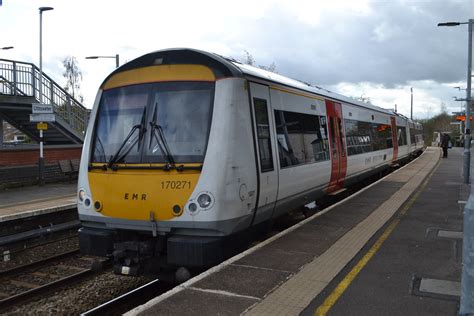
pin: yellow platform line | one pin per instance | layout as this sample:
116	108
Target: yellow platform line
331	300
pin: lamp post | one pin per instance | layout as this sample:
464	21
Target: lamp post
467	135
117	61
41	156
467	278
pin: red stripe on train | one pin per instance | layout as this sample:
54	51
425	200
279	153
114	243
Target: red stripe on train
394	138
336	146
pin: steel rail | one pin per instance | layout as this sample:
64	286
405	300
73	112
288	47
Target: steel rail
6	302
70	279
37	264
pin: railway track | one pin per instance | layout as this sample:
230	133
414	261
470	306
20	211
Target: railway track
32	280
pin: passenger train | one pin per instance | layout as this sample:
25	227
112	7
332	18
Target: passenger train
187	152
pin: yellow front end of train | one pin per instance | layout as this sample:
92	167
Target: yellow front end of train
146	194
149	141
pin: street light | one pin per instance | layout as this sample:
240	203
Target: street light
41	157
467	279
117	63
467	135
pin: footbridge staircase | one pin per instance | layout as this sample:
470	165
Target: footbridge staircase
19	90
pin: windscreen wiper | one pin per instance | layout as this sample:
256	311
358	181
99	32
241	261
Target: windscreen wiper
142	130
160	139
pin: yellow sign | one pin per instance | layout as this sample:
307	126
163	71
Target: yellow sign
42	126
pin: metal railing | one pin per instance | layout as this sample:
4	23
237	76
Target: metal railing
22	79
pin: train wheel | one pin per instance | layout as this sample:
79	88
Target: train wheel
182	275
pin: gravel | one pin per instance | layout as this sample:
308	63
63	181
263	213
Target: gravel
82	297
38	253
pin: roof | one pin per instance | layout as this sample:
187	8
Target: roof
277	78
227	67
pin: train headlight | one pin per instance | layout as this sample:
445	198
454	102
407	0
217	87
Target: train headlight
81	195
204	200
192	207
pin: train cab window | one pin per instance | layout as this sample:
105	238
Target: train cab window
263	135
136	121
302	138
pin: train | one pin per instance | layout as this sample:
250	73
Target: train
187	152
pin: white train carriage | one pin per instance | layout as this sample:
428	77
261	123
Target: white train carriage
188	151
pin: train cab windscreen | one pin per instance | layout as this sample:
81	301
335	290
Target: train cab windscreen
154	123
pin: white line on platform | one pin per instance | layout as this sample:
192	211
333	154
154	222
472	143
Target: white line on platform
223	293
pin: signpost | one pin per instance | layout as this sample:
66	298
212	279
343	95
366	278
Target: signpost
42	117
42	108
42	126
42	113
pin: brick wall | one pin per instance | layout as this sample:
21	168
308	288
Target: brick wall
17	176
29	156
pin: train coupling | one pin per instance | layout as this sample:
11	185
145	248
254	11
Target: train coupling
130	257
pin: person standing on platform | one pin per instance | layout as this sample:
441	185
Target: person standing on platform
444	144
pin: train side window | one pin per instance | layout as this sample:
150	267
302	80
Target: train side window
302	138
402	136
361	135
263	135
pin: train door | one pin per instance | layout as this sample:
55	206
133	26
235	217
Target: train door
267	166
337	146
395	137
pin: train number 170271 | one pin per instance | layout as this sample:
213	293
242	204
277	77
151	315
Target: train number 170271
175	185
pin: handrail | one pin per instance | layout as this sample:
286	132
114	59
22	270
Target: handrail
3	80
22	79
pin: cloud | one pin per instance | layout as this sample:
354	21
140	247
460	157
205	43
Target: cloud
380	47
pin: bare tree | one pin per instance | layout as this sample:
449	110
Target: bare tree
364	98
443	107
73	75
250	60
272	67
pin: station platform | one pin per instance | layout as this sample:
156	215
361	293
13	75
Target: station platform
394	248
36	200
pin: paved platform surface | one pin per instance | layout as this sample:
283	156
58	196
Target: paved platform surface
34	200
393	249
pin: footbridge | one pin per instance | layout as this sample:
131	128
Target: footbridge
19	90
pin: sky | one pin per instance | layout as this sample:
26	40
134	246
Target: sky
376	49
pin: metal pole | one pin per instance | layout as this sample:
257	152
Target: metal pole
411	111
41	59
117	63
467	137
41	157
467	278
